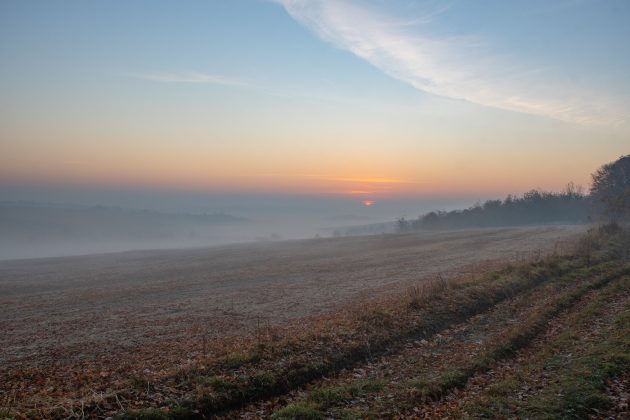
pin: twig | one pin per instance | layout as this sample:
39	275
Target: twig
118	401
204	346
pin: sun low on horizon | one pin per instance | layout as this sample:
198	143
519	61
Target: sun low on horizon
356	99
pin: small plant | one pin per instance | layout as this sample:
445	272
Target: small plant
263	380
146	414
5	413
217	383
141	384
236	360
298	411
422	293
182	412
424	390
331	396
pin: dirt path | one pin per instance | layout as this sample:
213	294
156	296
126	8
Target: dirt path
585	326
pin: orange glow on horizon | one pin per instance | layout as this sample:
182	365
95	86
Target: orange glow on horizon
439	185
359	179
370	180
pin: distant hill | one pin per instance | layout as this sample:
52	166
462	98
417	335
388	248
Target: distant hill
41	229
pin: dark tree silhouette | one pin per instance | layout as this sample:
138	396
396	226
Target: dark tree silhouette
610	190
403	225
534	207
609	200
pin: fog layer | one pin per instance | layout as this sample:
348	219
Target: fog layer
47	222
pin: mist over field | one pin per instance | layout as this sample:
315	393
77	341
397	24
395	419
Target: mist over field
76	221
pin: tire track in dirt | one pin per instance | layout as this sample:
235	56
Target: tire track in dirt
418	358
406	373
530	367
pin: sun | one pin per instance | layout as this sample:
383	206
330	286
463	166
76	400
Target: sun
368	203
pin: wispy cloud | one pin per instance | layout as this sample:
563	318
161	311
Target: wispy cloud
253	85
193	77
459	67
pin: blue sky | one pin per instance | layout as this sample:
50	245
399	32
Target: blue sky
358	98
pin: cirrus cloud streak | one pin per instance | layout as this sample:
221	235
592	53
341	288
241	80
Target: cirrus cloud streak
193	77
460	67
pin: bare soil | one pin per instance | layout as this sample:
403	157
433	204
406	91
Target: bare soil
143	310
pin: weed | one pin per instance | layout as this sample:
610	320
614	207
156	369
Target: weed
330	396
5	414
370	385
182	412
422	293
298	411
263	380
141	384
236	360
217	383
146	414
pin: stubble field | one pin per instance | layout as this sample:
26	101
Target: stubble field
66	321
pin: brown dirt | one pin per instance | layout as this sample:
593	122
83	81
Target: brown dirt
116	314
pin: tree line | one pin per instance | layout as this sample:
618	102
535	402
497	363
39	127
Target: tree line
608	200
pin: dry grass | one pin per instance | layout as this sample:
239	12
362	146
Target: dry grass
421	293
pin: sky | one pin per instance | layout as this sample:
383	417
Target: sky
363	101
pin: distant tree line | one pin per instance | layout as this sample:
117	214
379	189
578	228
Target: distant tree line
609	200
